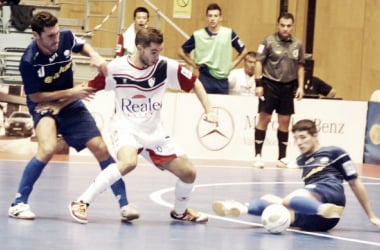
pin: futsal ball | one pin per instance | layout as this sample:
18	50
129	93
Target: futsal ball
275	218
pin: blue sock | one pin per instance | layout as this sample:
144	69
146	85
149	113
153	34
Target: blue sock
256	207
304	205
118	188
31	173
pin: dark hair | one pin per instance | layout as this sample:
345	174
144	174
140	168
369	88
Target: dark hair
149	35
213	6
140	9
251	54
41	20
285	15
305	125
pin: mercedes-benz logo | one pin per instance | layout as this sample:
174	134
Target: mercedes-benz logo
216	136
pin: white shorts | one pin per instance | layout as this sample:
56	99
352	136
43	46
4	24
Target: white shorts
157	147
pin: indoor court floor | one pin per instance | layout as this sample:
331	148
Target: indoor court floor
151	190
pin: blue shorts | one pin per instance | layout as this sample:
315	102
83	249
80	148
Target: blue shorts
211	84
330	191
278	97
75	123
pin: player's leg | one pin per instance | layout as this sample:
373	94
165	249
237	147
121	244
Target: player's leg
306	202
260	133
265	109
99	149
184	169
80	131
127	160
47	141
283	138
285	109
254	207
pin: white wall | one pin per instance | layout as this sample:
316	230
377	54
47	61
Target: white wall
342	123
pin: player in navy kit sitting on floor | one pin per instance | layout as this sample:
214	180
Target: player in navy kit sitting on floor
320	203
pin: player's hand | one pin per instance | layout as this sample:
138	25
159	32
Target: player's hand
211	117
259	92
299	94
375	221
82	91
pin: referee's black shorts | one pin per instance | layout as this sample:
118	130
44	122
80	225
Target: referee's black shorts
278	97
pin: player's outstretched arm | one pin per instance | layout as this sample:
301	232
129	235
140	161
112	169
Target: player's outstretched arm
96	60
361	194
205	101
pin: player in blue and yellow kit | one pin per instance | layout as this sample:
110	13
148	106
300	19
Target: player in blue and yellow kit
320	203
55	103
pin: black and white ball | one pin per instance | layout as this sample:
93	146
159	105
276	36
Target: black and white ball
275	218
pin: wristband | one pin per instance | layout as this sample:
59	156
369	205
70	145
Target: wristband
259	82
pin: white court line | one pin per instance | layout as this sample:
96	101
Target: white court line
157	197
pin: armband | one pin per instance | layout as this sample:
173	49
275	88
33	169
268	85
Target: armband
259	82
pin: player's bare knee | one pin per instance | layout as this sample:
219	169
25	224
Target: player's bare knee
46	151
99	150
126	167
188	175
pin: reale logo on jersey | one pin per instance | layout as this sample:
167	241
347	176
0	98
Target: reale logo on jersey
140	104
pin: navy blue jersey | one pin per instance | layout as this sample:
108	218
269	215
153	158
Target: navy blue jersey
44	73
327	163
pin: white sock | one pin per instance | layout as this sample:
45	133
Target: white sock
103	181
182	195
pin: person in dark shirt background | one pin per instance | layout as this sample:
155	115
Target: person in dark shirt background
317	88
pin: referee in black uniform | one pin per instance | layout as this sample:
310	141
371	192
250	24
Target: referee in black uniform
279	66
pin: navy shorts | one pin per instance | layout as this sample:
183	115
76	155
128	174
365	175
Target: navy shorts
330	191
211	84
75	123
278	97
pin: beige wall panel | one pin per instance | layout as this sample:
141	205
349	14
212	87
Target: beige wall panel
104	35
299	9
76	10
346	13
338	45
371	50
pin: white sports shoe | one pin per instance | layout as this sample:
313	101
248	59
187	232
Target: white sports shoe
129	212
78	210
229	208
258	162
21	211
286	163
190	215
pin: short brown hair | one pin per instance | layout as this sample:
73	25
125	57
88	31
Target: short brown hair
285	15
213	6
149	35
305	125
41	20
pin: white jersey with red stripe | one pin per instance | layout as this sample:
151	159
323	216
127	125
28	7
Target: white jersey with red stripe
139	91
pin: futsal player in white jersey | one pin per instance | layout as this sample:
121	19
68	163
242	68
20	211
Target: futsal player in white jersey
139	82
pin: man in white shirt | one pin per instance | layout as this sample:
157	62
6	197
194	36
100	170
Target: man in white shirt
241	81
126	41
